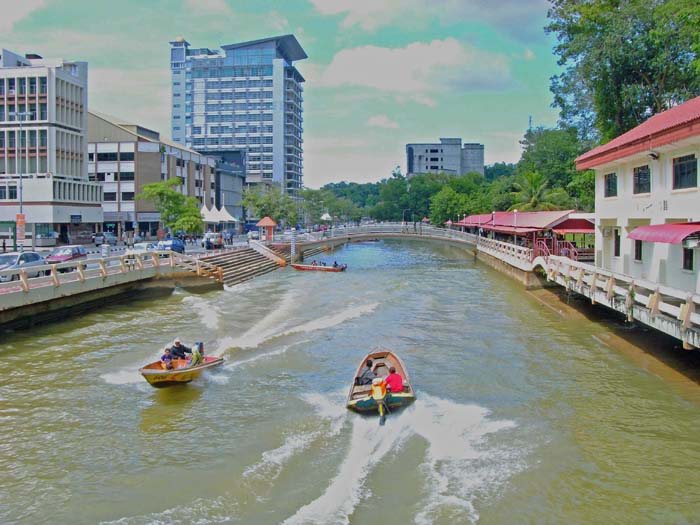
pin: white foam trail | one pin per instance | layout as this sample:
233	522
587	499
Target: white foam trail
207	312
263	329
266	355
125	376
458	461
200	511
368	445
252	340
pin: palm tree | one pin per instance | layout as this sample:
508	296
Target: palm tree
534	194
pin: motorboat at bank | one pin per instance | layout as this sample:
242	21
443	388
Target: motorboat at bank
375	397
319	268
181	372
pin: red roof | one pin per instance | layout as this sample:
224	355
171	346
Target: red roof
520	222
668	233
266	222
574	226
675	124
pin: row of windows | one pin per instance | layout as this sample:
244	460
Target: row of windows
228	141
688	253
23	86
685	175
32	134
124	156
217	130
111	196
246	71
123	176
230	84
257	117
8	192
27	112
235	95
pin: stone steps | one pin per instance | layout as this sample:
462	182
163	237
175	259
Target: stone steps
241	265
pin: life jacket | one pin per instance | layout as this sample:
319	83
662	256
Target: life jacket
378	388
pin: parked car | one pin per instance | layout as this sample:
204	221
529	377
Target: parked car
106	238
17	261
66	253
215	239
253	234
175	245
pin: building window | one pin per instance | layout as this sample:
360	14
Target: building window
126	175
685	172
126	156
127	195
110	196
642	180
637	250
611	185
3	193
688	254
616	233
107	157
91	157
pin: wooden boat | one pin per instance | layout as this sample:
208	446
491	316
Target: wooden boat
371	398
319	268
181	373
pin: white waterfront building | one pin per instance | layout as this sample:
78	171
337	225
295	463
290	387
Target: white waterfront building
43	150
647	203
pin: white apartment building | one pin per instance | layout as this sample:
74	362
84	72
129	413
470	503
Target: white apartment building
43	150
249	96
124	157
647	204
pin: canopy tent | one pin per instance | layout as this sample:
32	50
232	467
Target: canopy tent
216	216
326	217
667	233
209	216
223	215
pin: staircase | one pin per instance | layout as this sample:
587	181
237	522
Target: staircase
241	265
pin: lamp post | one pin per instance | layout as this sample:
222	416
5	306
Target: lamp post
21	116
493	224
515	227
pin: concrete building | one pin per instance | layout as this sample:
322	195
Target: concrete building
449	156
647	203
124	157
247	96
43	151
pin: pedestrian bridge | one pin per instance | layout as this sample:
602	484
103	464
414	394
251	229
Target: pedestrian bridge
670	310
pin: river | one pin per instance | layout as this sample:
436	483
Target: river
522	416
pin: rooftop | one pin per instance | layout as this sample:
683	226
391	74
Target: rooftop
287	44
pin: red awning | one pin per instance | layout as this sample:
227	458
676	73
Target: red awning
564	231
669	233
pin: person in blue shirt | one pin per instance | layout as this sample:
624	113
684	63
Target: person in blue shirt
178	350
167	358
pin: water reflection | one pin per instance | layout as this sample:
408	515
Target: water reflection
170	409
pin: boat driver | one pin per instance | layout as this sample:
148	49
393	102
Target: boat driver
179	350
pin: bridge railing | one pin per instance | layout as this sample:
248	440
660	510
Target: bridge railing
25	279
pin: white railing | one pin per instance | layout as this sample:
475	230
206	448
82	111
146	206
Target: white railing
637	298
19	280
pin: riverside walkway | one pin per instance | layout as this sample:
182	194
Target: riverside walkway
669	310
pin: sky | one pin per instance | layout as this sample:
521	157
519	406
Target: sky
380	73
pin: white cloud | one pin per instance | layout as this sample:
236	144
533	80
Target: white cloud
416	72
219	7
277	22
515	16
382	121
12	11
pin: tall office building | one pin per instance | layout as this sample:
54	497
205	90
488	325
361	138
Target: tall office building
43	151
248	97
449	156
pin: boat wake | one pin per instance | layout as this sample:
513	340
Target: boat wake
273	326
207	312
459	462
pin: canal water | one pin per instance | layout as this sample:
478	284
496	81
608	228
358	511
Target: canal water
521	416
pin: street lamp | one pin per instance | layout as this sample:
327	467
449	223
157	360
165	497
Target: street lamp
515	227
21	116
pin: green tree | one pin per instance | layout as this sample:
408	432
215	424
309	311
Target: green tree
552	153
270	201
446	205
177	211
582	190
624	61
498	170
533	194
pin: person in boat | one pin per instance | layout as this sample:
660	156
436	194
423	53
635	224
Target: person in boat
335	264
167	358
196	358
367	374
179	350
394	381
313	263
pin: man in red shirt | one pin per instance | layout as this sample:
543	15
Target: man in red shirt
394	381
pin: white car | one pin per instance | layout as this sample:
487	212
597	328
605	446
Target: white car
140	248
